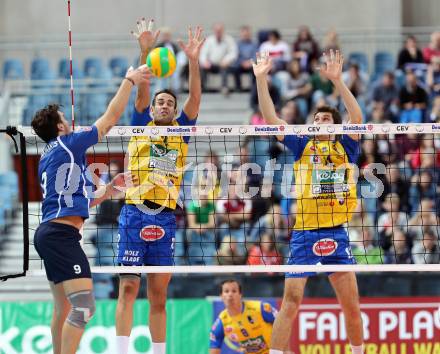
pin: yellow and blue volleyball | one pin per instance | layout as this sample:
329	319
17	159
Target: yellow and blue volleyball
161	62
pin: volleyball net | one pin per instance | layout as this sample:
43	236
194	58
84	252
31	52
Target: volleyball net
239	196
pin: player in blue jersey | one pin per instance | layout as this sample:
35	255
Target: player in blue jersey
147	223
67	197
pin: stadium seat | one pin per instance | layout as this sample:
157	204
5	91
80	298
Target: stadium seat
93	67
13	69
360	59
95	106
383	62
118	66
40	69
64	69
262	36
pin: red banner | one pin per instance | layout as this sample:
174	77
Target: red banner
391	326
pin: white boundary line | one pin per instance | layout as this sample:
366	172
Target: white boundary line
359	268
264	130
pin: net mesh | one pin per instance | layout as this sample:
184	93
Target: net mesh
239	196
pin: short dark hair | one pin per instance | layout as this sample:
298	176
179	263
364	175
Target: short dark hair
167	91
328	109
230	281
275	33
45	122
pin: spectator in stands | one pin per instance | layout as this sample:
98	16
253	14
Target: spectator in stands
433	77
433	49
305	47
427	250
395	183
387	93
106	235
321	87
174	82
247	49
365	251
228	253
434	116
217	55
392	218
355	80
378	115
331	41
409	54
265	251
295	85
278	50
233	212
361	220
274	94
397	248
291	114
425	156
201	224
422	187
424	218
271	222
369	153
413	100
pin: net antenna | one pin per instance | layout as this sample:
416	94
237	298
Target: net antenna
71	66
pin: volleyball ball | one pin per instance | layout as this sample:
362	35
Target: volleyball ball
161	62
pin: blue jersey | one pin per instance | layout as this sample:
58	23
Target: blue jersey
62	174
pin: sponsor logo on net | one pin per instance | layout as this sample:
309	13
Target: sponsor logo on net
325	247
357	128
152	233
266	129
436	127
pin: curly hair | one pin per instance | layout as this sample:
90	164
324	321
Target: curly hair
45	122
337	119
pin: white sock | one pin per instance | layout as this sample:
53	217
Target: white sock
274	351
122	344
159	348
359	349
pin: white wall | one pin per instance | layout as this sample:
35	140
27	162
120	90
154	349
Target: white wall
39	18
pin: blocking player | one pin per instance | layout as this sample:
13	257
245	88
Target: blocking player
147	222
66	203
324	180
247	323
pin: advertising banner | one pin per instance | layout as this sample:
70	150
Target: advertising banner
391	326
25	328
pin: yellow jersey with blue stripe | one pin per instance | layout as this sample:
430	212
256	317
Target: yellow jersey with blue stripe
325	184
158	161
251	330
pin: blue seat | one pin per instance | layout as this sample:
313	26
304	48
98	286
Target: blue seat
263	35
93	67
13	69
35	103
95	106
359	58
64	69
40	69
383	62
118	66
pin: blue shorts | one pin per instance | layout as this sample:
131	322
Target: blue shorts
59	248
146	239
321	246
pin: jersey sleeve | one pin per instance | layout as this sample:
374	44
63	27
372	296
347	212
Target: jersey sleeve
296	144
216	335
268	312
351	147
79	142
141	118
183	120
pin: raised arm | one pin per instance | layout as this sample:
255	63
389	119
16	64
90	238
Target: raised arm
332	70
114	188
146	39
192	51
267	108
108	120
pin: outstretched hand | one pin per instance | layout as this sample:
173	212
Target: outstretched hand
332	67
194	44
141	75
124	180
263	65
145	35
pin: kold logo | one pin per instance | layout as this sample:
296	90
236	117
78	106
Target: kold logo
152	233
281	128
325	247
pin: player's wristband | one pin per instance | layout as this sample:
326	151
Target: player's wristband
131	80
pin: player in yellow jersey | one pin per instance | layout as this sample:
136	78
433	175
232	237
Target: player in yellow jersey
147	222
245	323
326	199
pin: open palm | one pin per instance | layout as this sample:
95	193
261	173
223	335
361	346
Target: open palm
263	65
332	67
194	44
145	35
